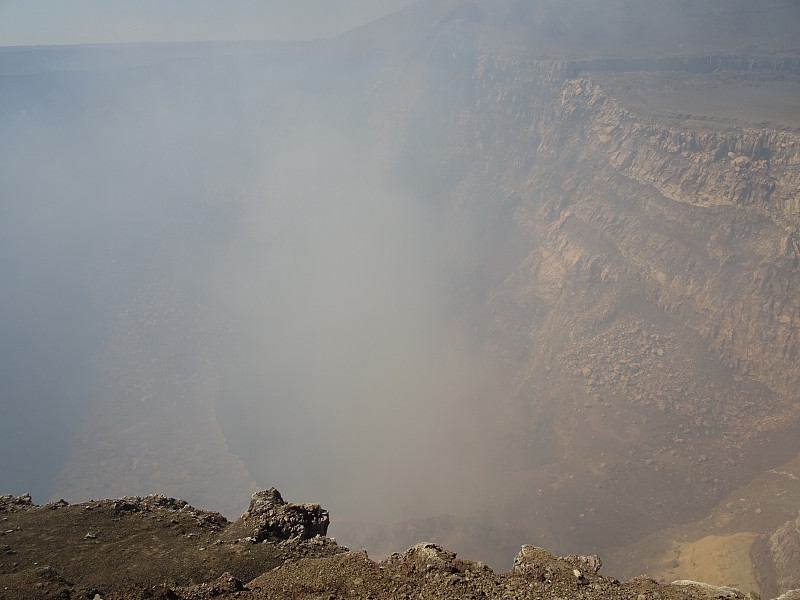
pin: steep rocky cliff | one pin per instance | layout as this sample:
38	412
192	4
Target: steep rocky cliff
662	291
732	191
776	559
634	263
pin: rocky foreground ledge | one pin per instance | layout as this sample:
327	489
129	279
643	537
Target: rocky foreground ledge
163	548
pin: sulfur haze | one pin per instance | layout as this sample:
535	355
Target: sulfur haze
214	280
48	22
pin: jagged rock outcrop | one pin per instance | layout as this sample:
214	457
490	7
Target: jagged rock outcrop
712	592
271	518
531	562
9	503
427	556
538	564
591	562
776	560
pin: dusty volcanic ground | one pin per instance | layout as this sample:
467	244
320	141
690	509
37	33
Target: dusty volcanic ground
159	547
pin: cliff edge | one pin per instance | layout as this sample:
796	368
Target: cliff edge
160	547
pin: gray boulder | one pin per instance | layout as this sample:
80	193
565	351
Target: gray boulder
271	518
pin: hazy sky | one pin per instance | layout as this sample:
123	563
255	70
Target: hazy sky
45	22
